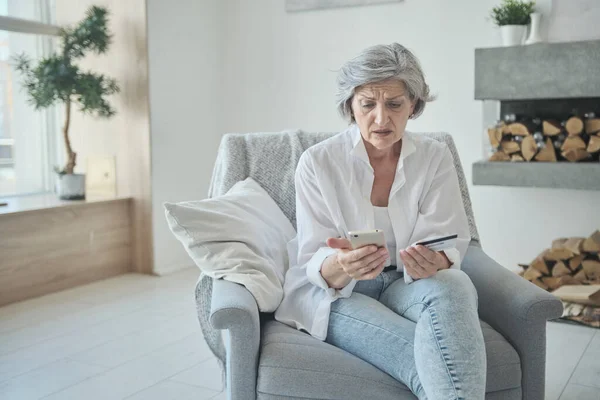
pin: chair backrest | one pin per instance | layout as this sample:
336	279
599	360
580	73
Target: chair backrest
271	159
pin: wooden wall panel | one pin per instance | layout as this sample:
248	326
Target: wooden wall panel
127	135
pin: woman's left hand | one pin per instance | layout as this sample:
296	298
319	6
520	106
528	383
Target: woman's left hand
421	262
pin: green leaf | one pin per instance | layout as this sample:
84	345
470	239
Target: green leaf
90	35
57	78
513	12
91	89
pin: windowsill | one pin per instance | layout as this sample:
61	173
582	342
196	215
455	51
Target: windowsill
50	244
43	201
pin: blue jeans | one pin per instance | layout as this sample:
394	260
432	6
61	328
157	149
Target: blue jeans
426	334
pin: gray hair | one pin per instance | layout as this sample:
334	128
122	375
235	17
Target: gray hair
378	63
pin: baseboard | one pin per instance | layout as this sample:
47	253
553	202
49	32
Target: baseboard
170	269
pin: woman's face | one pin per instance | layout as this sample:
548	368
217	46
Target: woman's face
381	111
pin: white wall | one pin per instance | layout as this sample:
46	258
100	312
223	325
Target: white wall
220	66
184	62
279	72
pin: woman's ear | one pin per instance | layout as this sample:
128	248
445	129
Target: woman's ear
413	104
350	107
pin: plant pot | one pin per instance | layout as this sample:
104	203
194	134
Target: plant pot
513	35
70	186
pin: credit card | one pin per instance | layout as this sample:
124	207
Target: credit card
440	243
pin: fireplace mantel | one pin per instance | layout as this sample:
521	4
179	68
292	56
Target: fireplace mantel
538	71
564	175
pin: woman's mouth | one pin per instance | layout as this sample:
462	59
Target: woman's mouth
383	131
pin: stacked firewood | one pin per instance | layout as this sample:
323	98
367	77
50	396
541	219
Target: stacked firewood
575	139
572	261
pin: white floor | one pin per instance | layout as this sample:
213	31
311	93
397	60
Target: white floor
136	337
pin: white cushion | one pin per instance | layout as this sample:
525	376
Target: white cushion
240	237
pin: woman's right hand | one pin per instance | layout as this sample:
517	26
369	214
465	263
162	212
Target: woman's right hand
361	264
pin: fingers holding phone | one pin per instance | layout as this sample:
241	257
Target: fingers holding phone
369	238
363	263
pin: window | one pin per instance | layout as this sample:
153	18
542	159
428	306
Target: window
27	137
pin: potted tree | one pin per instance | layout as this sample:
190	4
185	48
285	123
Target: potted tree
57	79
513	16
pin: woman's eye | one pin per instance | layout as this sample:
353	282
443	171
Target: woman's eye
367	105
395	105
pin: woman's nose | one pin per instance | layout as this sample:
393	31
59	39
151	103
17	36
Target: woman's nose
381	116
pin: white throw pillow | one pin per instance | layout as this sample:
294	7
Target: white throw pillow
241	237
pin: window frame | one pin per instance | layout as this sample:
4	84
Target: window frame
49	139
20	25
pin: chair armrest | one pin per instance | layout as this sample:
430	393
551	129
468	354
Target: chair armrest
504	295
518	310
234	308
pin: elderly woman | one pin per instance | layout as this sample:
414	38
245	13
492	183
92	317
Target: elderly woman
406	309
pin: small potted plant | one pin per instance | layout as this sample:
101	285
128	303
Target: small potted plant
513	16
57	79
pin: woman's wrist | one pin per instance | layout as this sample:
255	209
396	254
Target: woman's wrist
333	273
445	260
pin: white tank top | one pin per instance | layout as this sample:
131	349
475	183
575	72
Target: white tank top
383	222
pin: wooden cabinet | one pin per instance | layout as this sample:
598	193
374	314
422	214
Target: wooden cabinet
46	250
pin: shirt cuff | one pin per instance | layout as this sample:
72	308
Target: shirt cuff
313	272
454	256
313	267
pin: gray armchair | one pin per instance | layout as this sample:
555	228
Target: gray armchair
268	360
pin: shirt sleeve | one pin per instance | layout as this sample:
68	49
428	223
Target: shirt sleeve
314	226
442	212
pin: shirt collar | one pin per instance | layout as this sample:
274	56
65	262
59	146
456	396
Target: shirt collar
360	151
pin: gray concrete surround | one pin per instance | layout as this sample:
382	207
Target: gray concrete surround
564	175
538	71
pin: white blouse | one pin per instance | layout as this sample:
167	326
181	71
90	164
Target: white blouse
383	222
333	181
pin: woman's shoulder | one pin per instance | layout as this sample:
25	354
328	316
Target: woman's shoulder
432	151
336	142
428	141
428	145
334	146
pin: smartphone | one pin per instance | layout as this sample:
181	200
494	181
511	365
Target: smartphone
440	243
360	239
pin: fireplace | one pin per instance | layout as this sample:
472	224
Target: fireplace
541	115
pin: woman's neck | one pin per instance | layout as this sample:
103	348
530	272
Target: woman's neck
378	156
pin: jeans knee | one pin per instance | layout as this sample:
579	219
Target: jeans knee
454	285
